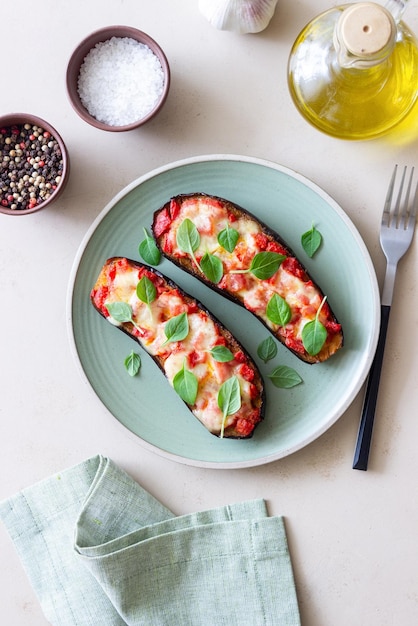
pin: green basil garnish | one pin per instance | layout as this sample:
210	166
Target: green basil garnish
188	238
267	349
133	363
120	311
177	328
285	377
146	291
186	385
229	399
278	311
228	238
149	251
212	267
314	334
263	265
311	240
222	354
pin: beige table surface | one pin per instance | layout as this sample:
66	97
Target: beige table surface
352	534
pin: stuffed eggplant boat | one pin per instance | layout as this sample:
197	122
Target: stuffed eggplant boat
230	250
206	365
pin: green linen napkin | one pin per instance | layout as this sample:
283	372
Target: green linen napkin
99	549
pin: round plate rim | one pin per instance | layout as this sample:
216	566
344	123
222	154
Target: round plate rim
353	231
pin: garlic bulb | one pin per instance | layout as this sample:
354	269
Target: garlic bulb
240	16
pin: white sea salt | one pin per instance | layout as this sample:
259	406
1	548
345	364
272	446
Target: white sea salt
120	81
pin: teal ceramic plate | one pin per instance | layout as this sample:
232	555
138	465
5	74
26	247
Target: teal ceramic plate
146	404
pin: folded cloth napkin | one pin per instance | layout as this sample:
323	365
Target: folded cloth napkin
99	549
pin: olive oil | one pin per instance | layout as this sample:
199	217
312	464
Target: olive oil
360	99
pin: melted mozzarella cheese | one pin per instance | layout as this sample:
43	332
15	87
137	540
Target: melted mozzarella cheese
254	293
209	221
202	336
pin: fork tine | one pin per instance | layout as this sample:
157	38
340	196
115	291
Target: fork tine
388	200
395	214
413	211
404	219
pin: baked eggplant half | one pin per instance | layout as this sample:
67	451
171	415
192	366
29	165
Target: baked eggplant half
210	370
229	249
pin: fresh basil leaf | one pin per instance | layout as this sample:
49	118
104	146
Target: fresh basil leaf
120	311
145	290
177	328
278	311
186	385
311	240
285	377
265	264
149	251
188	238
267	349
314	335
222	354
212	267
133	363
228	238
229	399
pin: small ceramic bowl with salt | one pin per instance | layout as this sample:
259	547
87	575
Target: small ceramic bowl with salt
118	78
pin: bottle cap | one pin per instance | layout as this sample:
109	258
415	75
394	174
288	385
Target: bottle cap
366	28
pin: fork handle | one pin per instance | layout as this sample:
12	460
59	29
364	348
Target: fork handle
364	437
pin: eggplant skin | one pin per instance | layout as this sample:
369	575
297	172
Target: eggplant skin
231	342
335	340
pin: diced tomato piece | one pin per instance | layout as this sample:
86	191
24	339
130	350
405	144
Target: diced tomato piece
253	392
261	241
152	277
192	307
220	341
123	264
231	217
112	272
244	254
273	246
295	344
304	300
193	358
246	372
244	427
167	245
333	327
162	223
99	297
292	266
232	282
240	356
174	208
